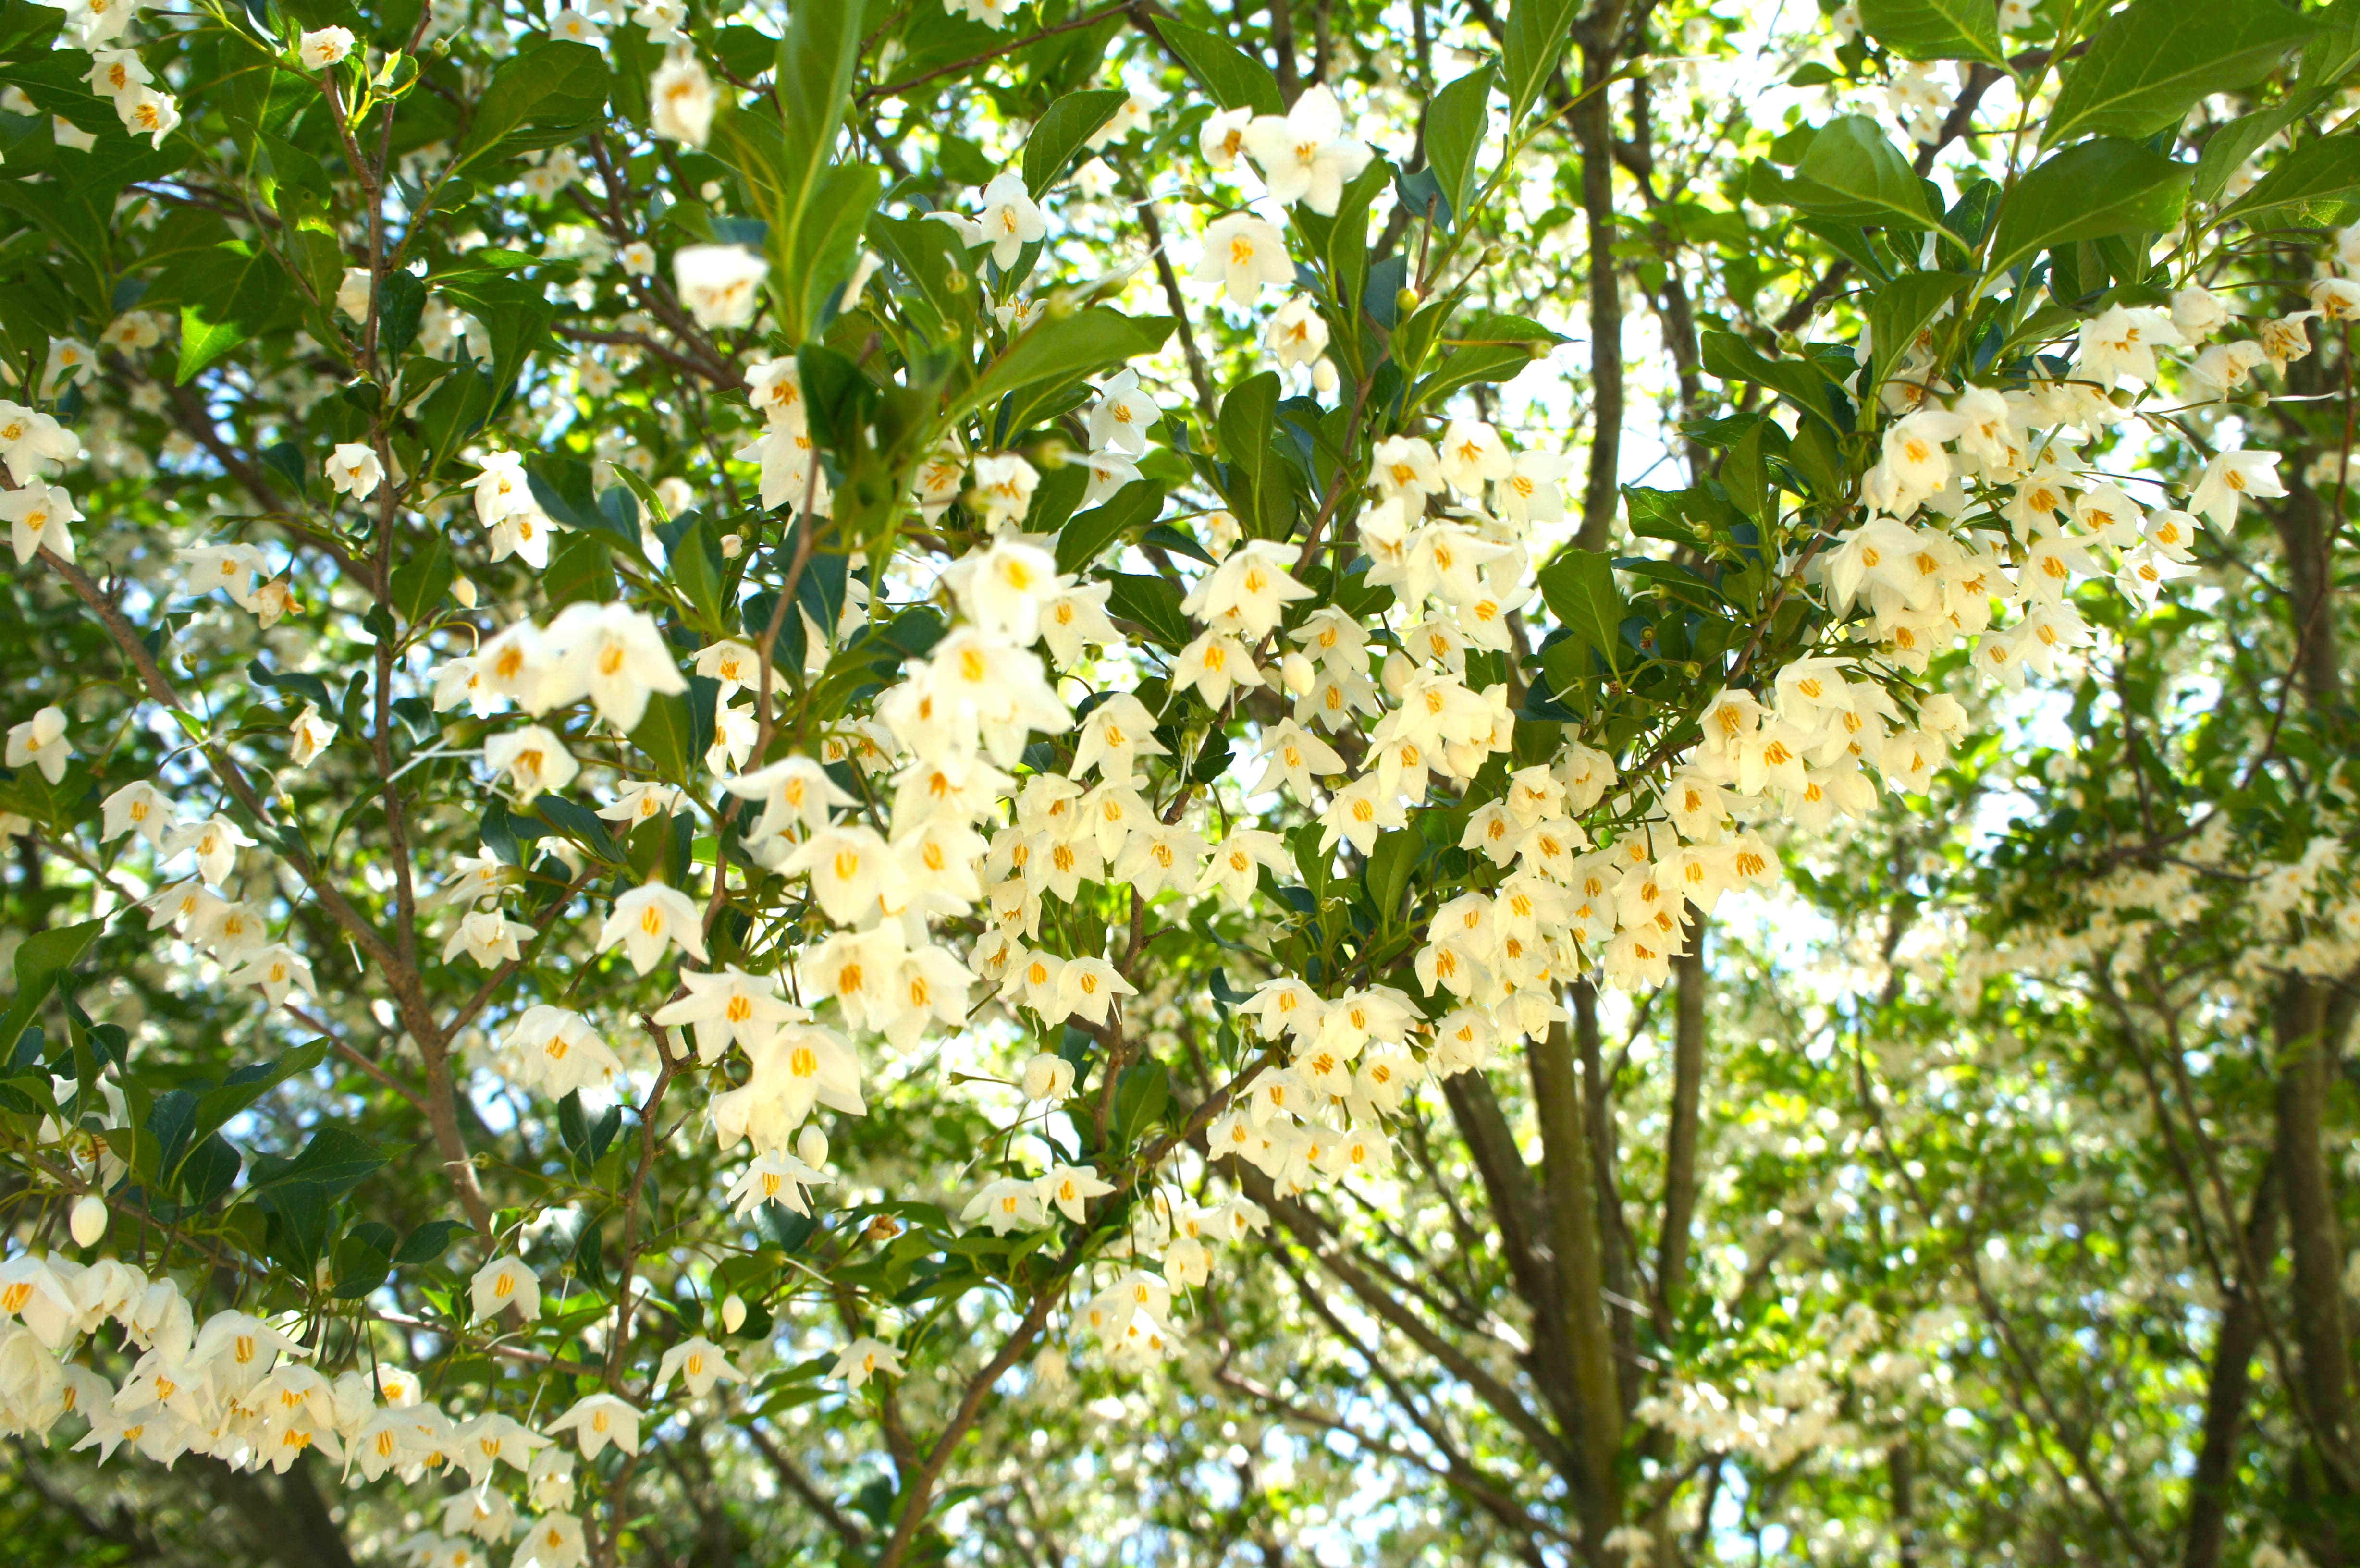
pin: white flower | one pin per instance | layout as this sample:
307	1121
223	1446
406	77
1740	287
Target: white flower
278	969
310	735
114	73
1223	138
1003	486
1473	456
648	919
147	113
1006	1204
681	100
1048	1076
2231	476
38	515
729	1006
1067	1188
865	1358
638	258
1002	588
324	46
1298	334
574	28
598	1419
699	1364
138	807
533	758
502	1283
720	284
353	470
1242	253
40	742
214	843
1008	221
1306	155
488	937
1122	414
615	655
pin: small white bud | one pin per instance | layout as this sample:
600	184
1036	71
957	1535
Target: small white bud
811	1146
1396	673
733	1312
88	1221
732	546
1323	376
464	591
1298	674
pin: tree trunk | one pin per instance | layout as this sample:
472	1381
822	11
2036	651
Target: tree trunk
1572	1210
2231	1386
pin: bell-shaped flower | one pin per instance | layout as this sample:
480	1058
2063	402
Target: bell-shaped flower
597	1420
729	1006
651	919
699	1364
1306	155
615	655
865	1358
1243	253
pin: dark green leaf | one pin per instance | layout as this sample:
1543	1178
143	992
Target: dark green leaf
1934	29
1533	42
1455	124
1578	586
539	97
2089	191
1153	603
1058	134
2149	63
1235	79
2322	170
1088	534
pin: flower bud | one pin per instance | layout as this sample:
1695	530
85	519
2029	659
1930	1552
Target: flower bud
1396	673
464	591
1048	1077
1298	674
1323	376
1408	301
732	546
1049	1371
88	1221
811	1146
733	1312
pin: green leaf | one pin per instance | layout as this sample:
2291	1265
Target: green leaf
428	1243
2149	63
420	582
1935	29
41	959
2227	148
361	1260
1140	1096
1059	134
538	98
335	1161
1493	347
1066	348
212	1110
1394	855
1853	172
1455	124
665	735
1153	603
1249	423
233	293
1235	79
2321	171
1533	40
1087	534
1580	588
1901	310
2089	191
1800	382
